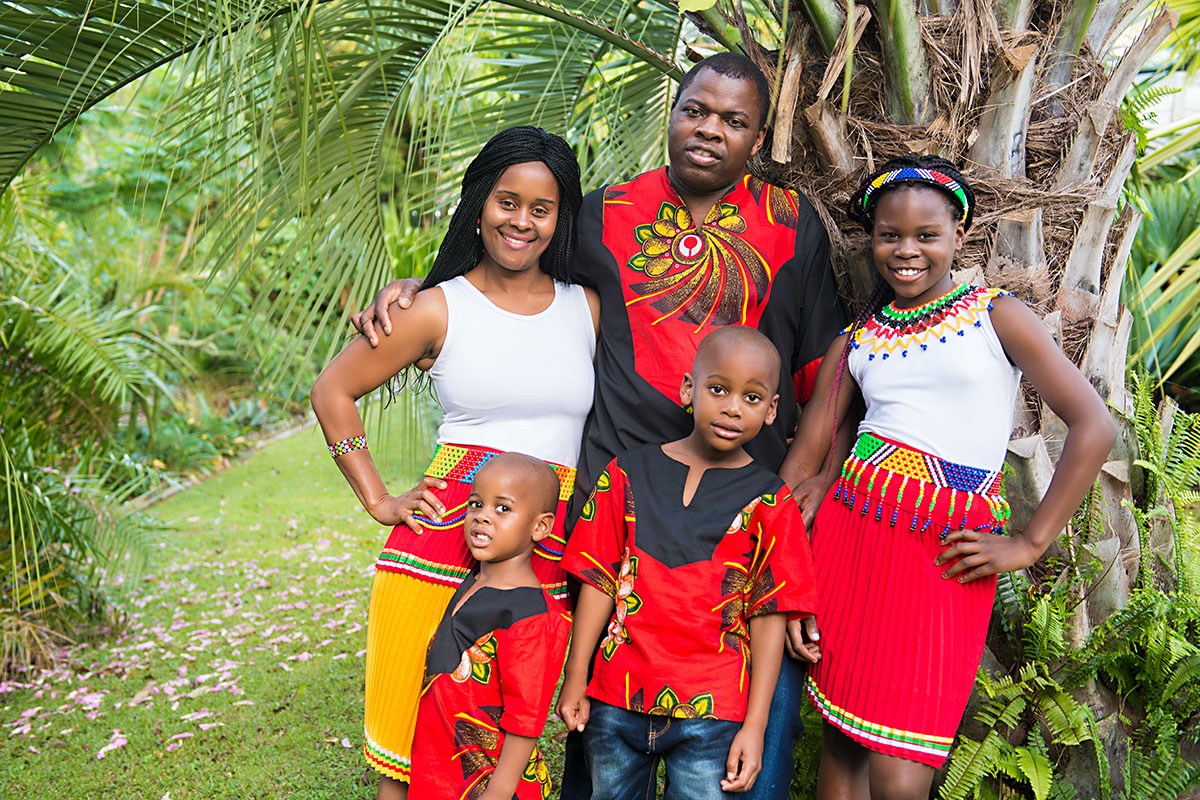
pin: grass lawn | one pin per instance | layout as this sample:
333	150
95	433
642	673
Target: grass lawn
239	670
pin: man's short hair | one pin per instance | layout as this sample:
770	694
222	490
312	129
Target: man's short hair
732	65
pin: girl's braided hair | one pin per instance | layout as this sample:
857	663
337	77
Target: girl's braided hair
904	171
462	248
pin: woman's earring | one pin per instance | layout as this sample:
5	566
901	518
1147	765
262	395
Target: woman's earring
477	232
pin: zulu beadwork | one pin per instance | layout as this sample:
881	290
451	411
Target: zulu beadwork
917	175
348	446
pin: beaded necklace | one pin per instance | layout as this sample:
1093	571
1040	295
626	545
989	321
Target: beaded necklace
892	330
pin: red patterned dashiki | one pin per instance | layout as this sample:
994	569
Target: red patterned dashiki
760	258
491	669
686	579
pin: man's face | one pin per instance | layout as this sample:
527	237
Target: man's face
713	130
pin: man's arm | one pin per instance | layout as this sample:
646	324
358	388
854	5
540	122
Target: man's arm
374	316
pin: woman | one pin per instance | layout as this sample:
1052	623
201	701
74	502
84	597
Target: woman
509	345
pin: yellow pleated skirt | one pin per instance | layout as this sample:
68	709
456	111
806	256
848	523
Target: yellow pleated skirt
403	614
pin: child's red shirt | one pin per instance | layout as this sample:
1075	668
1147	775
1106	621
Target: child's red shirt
491	669
686	580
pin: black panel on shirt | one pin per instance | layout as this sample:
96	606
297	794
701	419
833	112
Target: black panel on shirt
487	610
676	534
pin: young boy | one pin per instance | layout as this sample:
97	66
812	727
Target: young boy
493	662
690	553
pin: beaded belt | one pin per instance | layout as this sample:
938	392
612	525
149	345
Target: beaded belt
456	462
924	485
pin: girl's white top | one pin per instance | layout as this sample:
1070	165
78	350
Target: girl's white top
515	382
944	386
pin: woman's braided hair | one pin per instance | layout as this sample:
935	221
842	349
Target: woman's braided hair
462	248
901	172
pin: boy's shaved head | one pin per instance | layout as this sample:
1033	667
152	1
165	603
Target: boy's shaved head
538	480
743	343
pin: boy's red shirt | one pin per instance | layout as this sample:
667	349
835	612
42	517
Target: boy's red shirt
687	579
491	670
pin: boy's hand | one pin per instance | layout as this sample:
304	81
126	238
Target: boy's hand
802	639
400	291
573	707
745	760
980	554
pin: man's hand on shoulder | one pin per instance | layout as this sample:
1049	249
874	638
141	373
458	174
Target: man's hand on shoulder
401	291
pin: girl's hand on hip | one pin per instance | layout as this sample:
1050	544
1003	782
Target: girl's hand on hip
420	499
981	554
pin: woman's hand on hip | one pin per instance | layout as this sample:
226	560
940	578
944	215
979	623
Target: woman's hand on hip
420	499
981	554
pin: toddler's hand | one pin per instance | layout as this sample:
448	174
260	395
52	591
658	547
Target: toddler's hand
802	639
744	762
417	500
980	554
573	707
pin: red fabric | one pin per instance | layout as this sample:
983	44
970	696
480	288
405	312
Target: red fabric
682	279
678	642
900	646
505	684
805	381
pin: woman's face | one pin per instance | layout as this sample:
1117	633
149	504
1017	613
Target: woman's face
519	217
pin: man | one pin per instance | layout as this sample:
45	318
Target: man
759	258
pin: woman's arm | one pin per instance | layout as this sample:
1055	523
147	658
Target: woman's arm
417	334
814	433
1090	436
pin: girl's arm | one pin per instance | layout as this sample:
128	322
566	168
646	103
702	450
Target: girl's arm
814	433
1090	436
766	653
417	335
514	757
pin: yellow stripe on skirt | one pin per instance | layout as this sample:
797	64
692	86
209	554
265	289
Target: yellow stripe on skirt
403	614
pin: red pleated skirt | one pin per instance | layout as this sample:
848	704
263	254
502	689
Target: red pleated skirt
900	645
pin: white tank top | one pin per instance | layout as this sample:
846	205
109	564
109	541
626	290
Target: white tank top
514	381
937	378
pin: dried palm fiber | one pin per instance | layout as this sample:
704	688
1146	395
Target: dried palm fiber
962	50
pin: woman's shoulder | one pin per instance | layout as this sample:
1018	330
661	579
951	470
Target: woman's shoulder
428	308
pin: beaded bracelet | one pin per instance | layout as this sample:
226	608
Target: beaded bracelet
348	446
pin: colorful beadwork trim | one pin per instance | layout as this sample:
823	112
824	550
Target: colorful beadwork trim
917	175
348	446
455	462
870	732
385	761
878	476
892	330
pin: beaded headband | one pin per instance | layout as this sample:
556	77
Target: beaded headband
926	176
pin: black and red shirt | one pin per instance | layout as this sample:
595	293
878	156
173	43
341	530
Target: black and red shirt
686	580
491	670
760	258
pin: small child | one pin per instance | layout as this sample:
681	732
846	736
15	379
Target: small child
492	665
909	541
690	554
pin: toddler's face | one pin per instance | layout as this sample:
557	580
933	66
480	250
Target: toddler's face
501	514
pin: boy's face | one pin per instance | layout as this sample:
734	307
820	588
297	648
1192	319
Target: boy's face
732	393
502	519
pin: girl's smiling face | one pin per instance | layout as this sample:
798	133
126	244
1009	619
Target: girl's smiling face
917	232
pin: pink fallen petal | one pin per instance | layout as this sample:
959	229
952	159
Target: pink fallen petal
173	746
21	730
206	725
117	741
181	736
361	653
285	665
35	751
244	703
346	743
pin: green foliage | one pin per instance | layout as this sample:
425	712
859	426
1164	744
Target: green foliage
1147	653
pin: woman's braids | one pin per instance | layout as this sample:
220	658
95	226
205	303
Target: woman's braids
462	248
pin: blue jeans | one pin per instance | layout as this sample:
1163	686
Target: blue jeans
622	749
784	726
